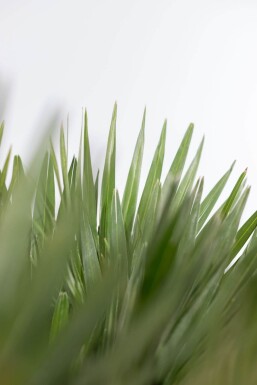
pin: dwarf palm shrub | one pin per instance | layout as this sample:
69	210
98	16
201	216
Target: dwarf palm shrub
104	290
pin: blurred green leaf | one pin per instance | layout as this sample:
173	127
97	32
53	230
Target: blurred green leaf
64	164
91	265
17	174
44	208
56	168
1	132
5	169
60	316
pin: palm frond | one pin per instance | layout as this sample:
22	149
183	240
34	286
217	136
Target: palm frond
155	290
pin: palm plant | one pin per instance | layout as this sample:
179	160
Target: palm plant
103	290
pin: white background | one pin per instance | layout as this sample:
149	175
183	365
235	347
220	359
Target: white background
187	61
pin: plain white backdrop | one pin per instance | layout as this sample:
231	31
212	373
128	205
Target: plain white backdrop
185	60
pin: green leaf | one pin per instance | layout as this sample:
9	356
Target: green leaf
72	186
234	194
34	292
118	261
80	329
154	174
145	227
64	165
91	265
4	196
78	173
118	244
179	161
44	208
108	179
72	175
230	226
96	190
5	169
76	277
108	182
189	178
211	199
244	234
49	198
60	316
148	222
1	132
169	240
89	197
17	174
56	168
188	240
130	195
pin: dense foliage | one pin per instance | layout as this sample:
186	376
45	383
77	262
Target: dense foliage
103	290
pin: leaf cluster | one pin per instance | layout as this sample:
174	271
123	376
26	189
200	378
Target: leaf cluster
138	289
